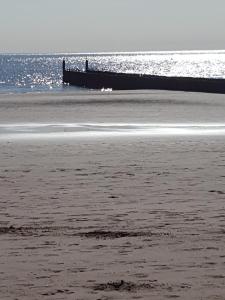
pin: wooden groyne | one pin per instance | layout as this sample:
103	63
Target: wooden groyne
122	81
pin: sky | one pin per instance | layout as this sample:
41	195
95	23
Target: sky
50	26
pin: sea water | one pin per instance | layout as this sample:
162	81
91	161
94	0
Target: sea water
93	113
21	73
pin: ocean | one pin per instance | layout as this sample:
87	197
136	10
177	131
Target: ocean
24	73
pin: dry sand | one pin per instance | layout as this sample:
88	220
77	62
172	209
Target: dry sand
137	217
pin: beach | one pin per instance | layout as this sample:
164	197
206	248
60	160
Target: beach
112	195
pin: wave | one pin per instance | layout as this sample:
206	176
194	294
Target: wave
74	130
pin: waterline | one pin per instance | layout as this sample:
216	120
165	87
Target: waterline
73	130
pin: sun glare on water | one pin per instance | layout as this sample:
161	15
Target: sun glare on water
74	130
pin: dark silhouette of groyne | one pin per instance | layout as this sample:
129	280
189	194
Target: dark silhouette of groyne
93	79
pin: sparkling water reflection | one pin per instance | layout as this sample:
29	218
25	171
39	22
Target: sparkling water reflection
26	73
73	130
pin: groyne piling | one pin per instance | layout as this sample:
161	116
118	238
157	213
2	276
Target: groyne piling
123	81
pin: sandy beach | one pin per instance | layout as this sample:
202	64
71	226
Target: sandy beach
112	196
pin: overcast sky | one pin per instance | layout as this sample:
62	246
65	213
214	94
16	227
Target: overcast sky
111	25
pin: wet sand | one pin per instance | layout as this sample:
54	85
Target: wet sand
131	217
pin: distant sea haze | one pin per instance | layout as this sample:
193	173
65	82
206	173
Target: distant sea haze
22	73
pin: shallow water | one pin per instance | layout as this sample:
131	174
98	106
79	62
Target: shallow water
94	130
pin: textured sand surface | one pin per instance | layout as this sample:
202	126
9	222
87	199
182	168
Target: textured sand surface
132	217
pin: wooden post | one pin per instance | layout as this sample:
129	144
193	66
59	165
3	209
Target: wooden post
86	66
64	68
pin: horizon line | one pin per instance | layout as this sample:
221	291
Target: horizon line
118	52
